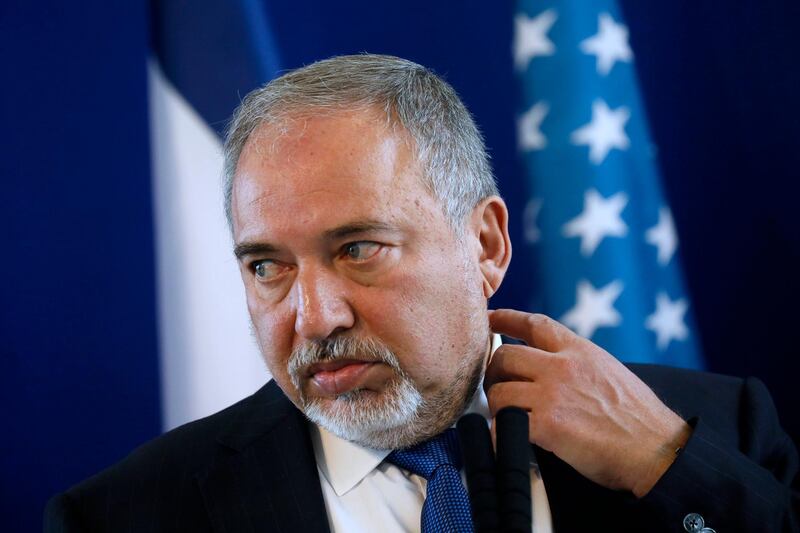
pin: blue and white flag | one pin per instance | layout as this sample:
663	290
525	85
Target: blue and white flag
597	219
207	58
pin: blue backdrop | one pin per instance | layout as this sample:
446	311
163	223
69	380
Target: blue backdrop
79	381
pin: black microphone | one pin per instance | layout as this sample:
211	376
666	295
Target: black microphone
476	450
513	470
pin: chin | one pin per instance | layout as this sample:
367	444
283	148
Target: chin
375	420
398	417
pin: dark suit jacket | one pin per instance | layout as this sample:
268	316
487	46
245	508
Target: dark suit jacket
251	468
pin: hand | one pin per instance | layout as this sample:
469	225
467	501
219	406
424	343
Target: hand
583	404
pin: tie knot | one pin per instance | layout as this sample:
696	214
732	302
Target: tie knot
424	458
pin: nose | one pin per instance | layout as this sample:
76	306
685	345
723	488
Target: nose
322	304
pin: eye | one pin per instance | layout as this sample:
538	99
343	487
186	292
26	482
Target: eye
266	269
361	250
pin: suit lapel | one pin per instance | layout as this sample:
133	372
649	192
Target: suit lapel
577	504
561	496
266	478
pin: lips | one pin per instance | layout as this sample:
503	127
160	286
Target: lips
333	378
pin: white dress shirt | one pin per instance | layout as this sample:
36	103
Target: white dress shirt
364	494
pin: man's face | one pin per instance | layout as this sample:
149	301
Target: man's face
368	309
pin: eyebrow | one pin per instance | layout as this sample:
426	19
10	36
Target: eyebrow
341	232
252	248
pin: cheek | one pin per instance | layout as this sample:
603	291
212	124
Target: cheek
274	330
434	317
445	293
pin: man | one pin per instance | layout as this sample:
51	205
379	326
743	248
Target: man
370	236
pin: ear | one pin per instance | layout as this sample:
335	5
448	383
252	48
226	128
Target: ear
489	223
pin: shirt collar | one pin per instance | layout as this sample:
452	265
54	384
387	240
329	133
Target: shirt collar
344	464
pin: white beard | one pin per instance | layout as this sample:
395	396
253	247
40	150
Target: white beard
397	417
378	420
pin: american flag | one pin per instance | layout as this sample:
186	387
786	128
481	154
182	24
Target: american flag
597	221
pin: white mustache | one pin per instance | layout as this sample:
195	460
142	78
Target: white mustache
358	349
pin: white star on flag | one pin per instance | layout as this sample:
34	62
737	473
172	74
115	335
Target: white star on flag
528	132
601	217
529	216
609	44
667	321
663	236
530	37
594	308
605	131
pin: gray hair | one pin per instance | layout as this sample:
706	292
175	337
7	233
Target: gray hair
447	141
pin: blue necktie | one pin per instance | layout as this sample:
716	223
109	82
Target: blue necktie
446	507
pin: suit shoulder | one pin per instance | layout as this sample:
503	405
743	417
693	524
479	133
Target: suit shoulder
687	390
748	394
156	487
670	377
186	449
739	409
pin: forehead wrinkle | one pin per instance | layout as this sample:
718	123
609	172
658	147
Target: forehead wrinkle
374	214
262	202
287	134
273	181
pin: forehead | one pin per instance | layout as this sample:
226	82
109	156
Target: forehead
323	170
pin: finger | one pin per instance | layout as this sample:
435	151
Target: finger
538	331
512	362
493	431
508	394
520	394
